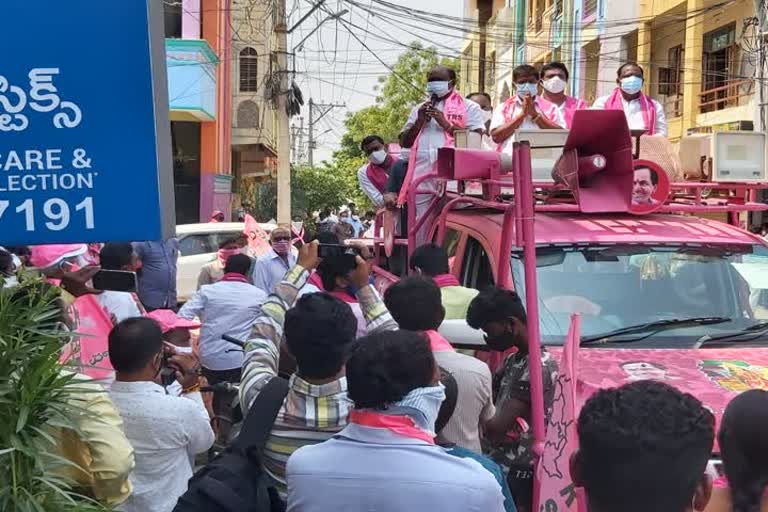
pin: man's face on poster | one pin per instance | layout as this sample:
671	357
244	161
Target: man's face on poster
644	187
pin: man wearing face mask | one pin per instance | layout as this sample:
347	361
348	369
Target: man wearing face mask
508	441
271	267
373	175
166	432
642	112
213	272
391	461
554	102
521	111
431	126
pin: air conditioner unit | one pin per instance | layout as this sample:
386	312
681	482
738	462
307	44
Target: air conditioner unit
731	156
738	156
546	149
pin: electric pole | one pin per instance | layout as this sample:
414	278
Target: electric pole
323	109
283	128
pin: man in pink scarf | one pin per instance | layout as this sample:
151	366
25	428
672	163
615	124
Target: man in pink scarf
554	102
521	111
642	112
431	126
373	175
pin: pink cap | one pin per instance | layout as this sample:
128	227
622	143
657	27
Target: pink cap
169	320
44	256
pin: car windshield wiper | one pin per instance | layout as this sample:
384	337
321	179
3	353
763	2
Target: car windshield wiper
747	334
652	328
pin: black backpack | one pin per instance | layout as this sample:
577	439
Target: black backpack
235	481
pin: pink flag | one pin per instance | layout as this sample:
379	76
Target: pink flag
258	239
90	351
557	492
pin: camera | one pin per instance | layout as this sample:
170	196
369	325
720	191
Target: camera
340	256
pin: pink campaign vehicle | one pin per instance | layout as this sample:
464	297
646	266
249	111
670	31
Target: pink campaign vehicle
625	275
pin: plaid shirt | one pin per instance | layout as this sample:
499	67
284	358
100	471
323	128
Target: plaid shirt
311	413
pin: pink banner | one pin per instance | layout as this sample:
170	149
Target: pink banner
258	239
556	491
90	352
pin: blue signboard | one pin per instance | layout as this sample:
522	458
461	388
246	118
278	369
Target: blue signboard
84	131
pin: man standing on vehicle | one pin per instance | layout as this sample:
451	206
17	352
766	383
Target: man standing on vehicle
521	111
508	440
431	260
431	126
270	268
558	106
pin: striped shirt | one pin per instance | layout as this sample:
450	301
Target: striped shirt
311	413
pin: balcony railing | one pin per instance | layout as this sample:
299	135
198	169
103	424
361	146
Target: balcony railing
732	94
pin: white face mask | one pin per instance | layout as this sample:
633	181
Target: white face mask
438	88
297	225
378	157
526	89
555	85
487	115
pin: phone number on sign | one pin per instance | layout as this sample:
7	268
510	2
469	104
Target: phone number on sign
57	212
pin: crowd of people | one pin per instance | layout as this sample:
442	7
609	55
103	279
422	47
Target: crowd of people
387	417
380	412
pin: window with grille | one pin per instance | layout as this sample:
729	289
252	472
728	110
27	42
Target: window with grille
249	70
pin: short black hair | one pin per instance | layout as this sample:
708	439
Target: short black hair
555	65
318	331
416	303
744	448
369	139
6	263
115	255
451	71
484	94
133	343
240	239
386	366
430	259
495	305
332	268
238	264
626	65
654	174
19	250
524	70
666	434
327	237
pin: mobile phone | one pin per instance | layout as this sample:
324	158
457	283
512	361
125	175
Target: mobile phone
342	255
115	280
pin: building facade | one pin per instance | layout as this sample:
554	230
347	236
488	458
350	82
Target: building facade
219	58
699	55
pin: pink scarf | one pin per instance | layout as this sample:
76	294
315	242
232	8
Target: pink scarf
224	254
513	101
316	280
235	277
455	111
571	106
437	343
379	175
646	106
400	425
445	280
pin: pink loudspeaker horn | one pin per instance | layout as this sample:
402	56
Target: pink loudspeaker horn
467	164
596	164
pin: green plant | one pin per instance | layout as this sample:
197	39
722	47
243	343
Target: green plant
34	402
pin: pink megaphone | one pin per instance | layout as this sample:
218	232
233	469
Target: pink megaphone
471	164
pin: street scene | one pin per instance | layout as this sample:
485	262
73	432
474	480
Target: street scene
384	256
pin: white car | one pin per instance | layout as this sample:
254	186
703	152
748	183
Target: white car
198	244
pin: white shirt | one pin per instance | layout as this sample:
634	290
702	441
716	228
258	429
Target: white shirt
376	197
120	304
270	269
226	307
166	432
499	120
634	114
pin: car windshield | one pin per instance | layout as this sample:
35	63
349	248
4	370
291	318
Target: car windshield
619	286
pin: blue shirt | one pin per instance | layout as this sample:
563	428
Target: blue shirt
373	469
157	278
493	468
270	269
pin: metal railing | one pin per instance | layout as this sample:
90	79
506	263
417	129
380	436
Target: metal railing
590	8
673	105
732	94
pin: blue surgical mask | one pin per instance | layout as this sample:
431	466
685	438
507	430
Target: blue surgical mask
438	88
631	84
527	89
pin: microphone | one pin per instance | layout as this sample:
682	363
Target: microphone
435	100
